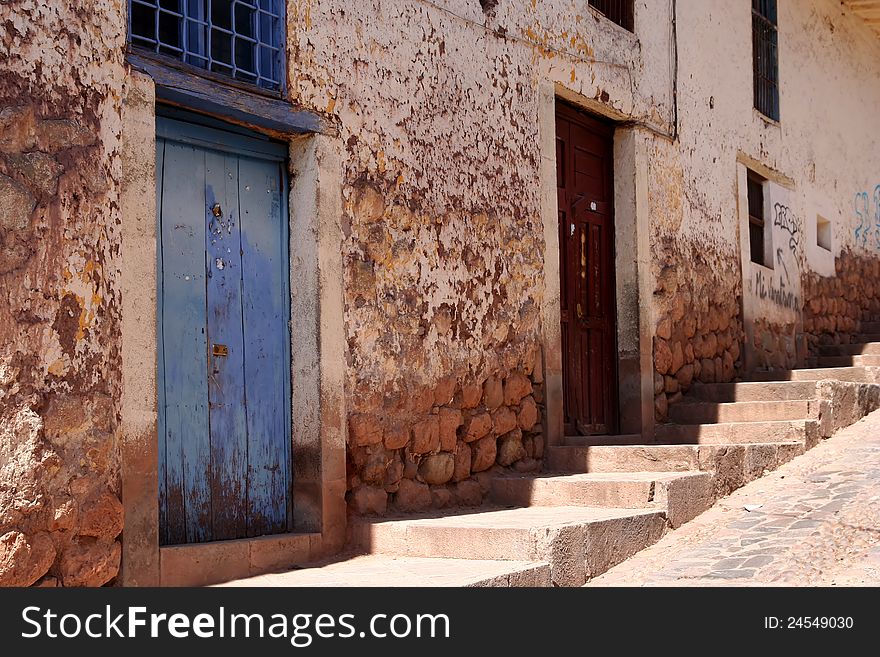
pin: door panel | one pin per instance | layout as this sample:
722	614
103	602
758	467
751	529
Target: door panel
188	451
265	329
585	194
226	352
224	373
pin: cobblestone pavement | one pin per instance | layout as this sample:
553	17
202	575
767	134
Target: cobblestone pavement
818	524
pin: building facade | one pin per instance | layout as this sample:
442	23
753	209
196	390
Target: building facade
449	233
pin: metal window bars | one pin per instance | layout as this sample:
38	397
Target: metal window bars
238	38
765	57
617	11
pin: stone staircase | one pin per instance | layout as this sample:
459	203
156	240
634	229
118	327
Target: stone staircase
602	499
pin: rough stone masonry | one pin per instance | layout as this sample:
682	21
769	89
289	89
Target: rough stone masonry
61	77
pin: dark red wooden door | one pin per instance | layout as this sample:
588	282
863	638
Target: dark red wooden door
584	151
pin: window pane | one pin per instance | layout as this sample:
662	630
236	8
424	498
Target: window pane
756	243
756	198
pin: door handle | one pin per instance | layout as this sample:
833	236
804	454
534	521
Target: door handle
580	311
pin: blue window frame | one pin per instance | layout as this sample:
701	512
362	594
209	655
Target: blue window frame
241	39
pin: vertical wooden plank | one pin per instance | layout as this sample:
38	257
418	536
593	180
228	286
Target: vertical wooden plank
185	344
226	393
264	267
160	353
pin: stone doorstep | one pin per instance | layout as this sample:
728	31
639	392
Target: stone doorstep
682	495
604	439
577	542
751	391
702	412
736	433
384	570
200	564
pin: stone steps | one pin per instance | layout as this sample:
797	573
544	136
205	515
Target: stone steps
601	499
385	570
622	439
865	338
853	374
869	348
695	412
751	391
667	458
736	433
850	360
682	495
578	543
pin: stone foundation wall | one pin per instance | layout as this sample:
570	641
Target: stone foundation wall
775	345
699	332
834	307
440	446
61	77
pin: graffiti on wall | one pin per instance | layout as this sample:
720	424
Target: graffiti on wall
867	212
776	291
784	218
773	283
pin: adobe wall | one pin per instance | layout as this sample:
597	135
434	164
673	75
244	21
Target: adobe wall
61	76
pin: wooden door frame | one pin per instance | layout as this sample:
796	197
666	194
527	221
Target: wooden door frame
318	362
632	269
605	129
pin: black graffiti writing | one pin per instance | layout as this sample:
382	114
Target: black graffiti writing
784	218
776	293
780	260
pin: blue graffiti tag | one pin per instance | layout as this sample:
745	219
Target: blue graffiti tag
864	228
877	216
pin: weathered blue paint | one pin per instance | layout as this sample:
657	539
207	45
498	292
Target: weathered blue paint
224	417
187	449
226	393
264	271
207	135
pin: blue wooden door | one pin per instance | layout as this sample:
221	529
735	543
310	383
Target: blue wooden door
224	365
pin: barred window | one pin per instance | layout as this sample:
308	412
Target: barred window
765	57
618	11
758	226
238	38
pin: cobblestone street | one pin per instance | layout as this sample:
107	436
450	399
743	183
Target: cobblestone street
813	522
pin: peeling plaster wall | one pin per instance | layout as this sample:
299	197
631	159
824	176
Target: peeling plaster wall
437	105
61	77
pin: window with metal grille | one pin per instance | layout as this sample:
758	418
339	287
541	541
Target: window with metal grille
765	57
238	38
758	227
618	11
